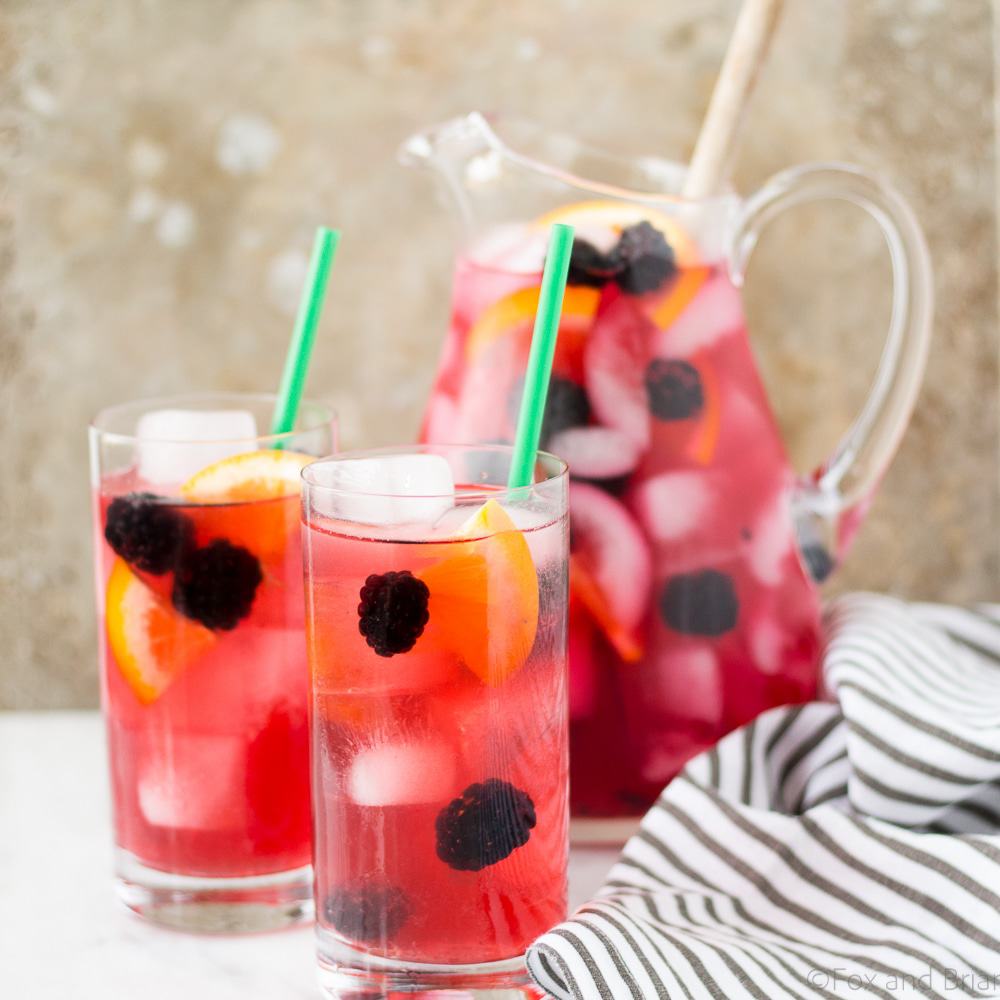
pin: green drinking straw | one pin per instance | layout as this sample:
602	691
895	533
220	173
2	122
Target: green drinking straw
293	378
543	347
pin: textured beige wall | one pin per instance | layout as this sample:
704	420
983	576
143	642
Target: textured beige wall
162	166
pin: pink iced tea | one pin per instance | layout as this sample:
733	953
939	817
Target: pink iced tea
439	734
206	692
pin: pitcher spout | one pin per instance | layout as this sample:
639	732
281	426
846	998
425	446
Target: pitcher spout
457	150
451	144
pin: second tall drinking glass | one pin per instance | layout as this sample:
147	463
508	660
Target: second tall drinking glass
436	623
204	676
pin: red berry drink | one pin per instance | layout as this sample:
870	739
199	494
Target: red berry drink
204	671
692	608
437	643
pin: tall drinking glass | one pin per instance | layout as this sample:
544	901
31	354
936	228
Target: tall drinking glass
436	625
204	676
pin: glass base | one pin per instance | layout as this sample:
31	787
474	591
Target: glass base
346	973
202	905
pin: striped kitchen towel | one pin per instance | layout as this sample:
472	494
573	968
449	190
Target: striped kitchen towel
844	848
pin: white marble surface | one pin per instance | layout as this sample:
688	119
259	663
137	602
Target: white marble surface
62	932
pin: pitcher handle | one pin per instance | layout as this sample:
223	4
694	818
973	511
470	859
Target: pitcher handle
830	503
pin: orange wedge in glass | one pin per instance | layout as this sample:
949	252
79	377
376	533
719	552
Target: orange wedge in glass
251	496
150	641
484	596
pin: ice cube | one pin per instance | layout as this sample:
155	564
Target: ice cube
773	540
397	774
767	644
607	540
596	452
515	248
715	313
175	444
195	783
686	683
673	504
388	490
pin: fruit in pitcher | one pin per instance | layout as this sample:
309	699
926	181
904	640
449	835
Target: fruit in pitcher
641	261
701	603
665	309
644	259
216	585
589	266
146	533
673	389
607	542
485	824
614	364
614	217
393	611
587	594
516	312
150	641
484	596
566	406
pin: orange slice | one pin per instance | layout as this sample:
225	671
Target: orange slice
150	641
585	589
617	215
247	499
679	295
518	310
484	596
254	475
707	439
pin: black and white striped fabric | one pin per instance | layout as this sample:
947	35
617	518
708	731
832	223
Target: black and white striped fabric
844	848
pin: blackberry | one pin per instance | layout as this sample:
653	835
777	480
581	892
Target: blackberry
818	561
216	585
484	825
147	533
566	406
369	911
642	259
702	603
393	611
590	266
673	389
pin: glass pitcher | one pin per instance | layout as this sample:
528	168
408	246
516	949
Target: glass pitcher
696	550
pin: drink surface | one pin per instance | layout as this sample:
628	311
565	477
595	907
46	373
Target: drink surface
439	769
691	606
204	680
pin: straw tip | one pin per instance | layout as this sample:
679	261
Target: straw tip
326	236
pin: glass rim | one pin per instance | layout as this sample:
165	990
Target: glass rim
561	471
173	401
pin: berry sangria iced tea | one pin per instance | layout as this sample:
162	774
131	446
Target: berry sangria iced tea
691	607
436	617
204	675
